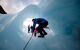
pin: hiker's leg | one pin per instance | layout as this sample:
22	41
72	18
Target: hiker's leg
40	31
45	33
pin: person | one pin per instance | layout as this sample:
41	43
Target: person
42	23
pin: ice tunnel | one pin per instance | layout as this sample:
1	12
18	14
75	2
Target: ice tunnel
64	25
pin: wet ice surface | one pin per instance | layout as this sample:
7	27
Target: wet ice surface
64	33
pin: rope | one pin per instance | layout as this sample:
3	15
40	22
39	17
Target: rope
28	42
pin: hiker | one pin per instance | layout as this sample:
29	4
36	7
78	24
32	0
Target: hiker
42	23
